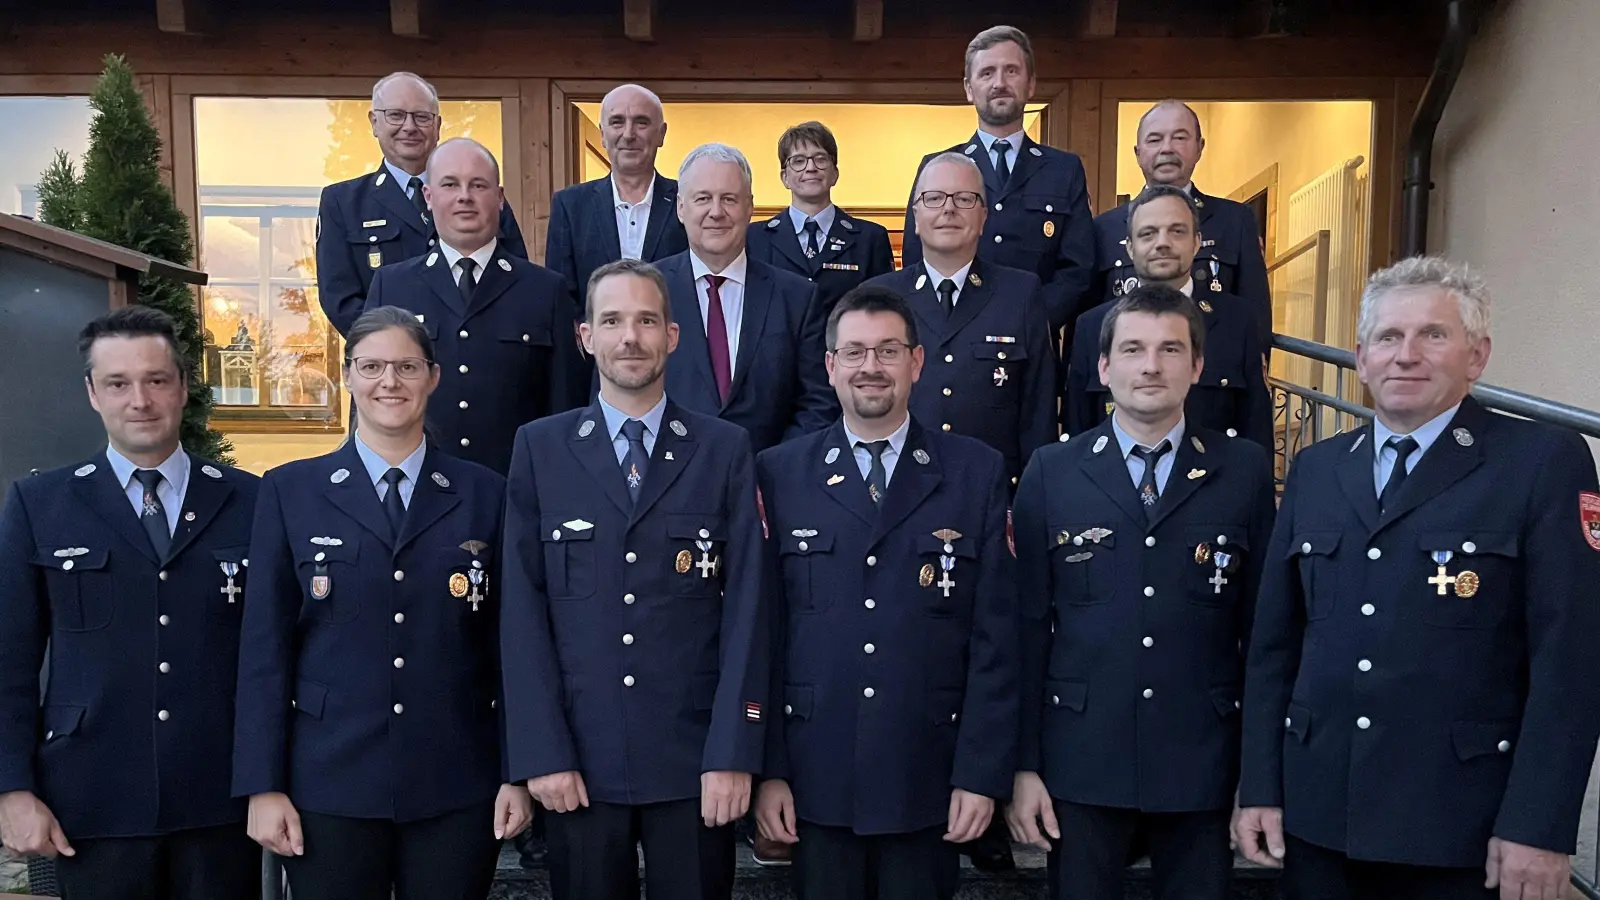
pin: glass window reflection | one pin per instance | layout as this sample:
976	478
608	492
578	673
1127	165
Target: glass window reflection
36	127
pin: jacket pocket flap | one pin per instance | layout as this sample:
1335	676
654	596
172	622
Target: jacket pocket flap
311	554
1045	203
374	234
1320	543
1470	543
239	555
1226	377
1085	536
60	721
309	697
1297	721
792	544
68	559
962	547
1225	254
1226	699
556	529
1475	739
533	337
1001	352
696	528
1227	538
797	701
1068	694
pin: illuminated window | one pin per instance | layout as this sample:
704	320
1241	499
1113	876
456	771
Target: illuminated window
36	127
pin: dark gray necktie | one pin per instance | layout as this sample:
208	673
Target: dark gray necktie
417	200
466	282
877	476
153	515
394	506
1002	166
947	297
1403	448
637	460
1149	490
812	229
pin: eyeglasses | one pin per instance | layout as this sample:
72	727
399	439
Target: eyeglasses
888	354
797	163
936	199
399	116
372	368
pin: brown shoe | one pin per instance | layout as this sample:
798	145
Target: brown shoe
770	853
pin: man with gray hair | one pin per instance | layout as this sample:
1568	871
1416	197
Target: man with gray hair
1422	699
382	217
752	345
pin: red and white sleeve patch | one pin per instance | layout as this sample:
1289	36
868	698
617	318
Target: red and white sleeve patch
752	711
1589	516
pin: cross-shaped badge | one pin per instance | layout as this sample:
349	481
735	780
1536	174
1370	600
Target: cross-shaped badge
706	565
948	563
231	590
1000	376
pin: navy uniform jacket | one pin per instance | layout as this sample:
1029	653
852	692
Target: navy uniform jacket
1231	396
135	730
369	222
1133	652
853	251
780	383
892	691
626	659
1395	723
505	358
583	231
1229	239
1038	222
377	700
990	368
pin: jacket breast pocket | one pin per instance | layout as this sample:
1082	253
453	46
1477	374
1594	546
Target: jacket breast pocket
569	558
803	560
949	570
1046	218
232	564
1066	694
1472	577
998	370
1220	262
1214	558
377	243
331	581
81	589
1316	553
696	543
519	343
466	577
1084	564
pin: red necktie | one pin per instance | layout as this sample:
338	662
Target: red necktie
717	337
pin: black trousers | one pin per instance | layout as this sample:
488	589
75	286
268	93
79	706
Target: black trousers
592	853
1311	872
1189	854
448	857
196	864
838	864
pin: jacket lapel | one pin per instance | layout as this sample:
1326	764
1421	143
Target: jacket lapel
841	478
437	275
392	194
992	187
663	471
693	350
924	301
355	496
1109	470
757	301
497	278
663	209
1446	462
432	497
786	242
1027	164
1192	466
204	499
911	484
590	442
971	299
100	491
1354	472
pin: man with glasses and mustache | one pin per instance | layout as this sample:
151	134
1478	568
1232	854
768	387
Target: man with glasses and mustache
1229	260
1037	196
371	221
991	366
895	662
813	238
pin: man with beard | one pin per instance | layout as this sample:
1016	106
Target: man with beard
382	218
897	689
633	632
1229	260
1231	395
1037	196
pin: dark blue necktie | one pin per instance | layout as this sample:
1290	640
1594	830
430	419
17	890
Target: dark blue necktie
637	460
1149	491
394	505
1403	448
153	515
877	475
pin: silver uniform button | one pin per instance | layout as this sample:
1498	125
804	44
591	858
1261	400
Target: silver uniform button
1368	609
399	708
788	710
1233	432
1148	693
1363	723
1055	699
704	534
162	575
319	557
1149	641
399	575
465	442
868	693
627	640
526	338
1503	746
163	715
67	566
164	620
1306	547
463	332
949	357
998	239
871	603
164	668
1224	382
631	556
399	662
870	649
999	207
1222	540
1374	553
399	618
555	535
1150	541
872	560
1365	665
627	681
1288	722
1469	547
628	599
1149	591
947	392
463	369
462	404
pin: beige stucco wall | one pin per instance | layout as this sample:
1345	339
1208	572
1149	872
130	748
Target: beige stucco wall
1518	192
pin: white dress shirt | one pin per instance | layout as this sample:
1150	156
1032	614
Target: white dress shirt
483	256
935	277
615	418
633	219
1011	155
891	454
170	490
732	294
377	467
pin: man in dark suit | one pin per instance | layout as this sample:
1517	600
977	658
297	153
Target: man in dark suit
752	335
629	214
991	365
633	631
129	567
1038	198
1231	395
899	712
368	222
499	324
1139	547
1229	260
813	238
1423	696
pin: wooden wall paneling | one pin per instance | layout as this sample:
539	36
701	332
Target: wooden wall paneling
413	18
868	21
512	155
183	16
157	91
48	85
533	145
185	185
639	19
1104	186
1100	19
1083	134
334	86
564	163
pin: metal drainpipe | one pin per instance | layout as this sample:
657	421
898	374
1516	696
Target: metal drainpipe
1460	23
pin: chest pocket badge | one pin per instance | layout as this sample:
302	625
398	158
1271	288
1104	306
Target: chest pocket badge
1049	228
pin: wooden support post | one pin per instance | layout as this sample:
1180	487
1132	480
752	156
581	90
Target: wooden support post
868	21
412	18
183	16
1100	19
639	19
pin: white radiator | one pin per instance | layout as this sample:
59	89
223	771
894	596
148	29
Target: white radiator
1336	202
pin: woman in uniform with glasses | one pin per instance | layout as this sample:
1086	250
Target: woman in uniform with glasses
368	733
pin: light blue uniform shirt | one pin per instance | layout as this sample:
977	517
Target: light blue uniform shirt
1164	465
652	427
377	467
171	490
891	454
1383	456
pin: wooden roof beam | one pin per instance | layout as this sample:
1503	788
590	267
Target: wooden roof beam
868	20
412	18
639	20
183	16
1100	19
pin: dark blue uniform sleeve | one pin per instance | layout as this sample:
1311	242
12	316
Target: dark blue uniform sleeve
1256	421
1035	595
736	740
538	736
1067	288
558	250
511	233
24	631
1263	510
880	257
1039	414
1561	715
1254	286
1276	636
776	756
910	245
986	749
1077	406
375	293
569	376
267	652
338	283
818	404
